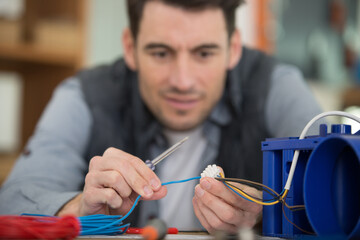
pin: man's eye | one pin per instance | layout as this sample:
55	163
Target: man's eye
205	54
161	54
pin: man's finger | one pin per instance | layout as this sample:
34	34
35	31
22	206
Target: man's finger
137	163
200	216
220	190
143	181
220	215
109	179
98	197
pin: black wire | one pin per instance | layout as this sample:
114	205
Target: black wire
258	187
259	199
262	187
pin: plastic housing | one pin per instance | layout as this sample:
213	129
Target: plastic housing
326	181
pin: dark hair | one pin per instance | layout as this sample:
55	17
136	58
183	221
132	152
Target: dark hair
135	10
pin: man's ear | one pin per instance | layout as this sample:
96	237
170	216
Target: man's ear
235	49
129	49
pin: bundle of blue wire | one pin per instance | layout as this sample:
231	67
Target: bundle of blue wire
101	224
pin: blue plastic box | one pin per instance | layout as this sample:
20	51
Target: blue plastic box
326	181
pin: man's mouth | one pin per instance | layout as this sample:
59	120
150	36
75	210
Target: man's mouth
182	103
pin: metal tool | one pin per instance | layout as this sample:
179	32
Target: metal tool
151	164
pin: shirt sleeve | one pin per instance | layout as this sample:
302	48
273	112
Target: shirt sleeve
52	169
290	104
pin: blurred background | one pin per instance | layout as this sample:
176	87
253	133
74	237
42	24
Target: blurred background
43	42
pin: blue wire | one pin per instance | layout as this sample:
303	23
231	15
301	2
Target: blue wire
101	224
180	181
103	217
237	192
93	223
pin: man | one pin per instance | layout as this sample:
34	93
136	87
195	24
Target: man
182	76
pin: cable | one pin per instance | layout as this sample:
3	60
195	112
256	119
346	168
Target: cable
180	181
259	186
270	191
304	132
292	223
115	222
294	162
94	223
251	198
99	224
38	227
282	196
233	187
276	197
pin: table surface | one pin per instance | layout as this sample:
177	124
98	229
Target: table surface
179	236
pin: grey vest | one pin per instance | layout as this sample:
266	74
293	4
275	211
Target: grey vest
121	120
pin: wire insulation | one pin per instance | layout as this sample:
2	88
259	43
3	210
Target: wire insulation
38	227
304	132
31	226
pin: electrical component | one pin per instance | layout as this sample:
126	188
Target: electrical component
214	172
211	171
286	189
325	184
333	161
304	132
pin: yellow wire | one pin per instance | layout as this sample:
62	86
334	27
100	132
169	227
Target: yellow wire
255	200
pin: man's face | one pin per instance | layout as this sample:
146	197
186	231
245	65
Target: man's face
181	58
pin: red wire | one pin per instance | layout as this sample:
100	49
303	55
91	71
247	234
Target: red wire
36	227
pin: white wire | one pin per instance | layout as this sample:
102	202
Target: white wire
304	132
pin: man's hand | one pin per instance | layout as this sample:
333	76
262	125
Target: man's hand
219	208
112	184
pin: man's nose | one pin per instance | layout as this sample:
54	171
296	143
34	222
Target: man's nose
182	76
